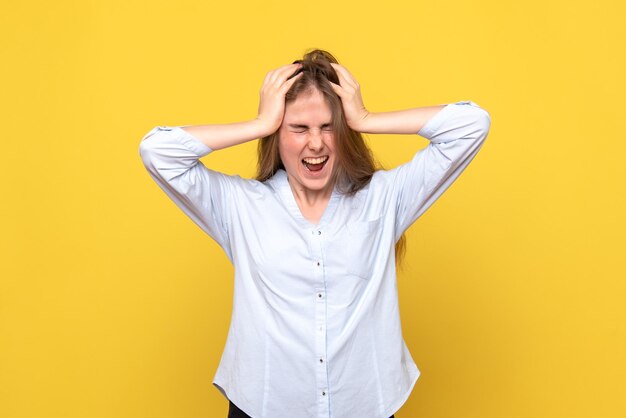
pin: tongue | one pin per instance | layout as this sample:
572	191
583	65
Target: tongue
315	167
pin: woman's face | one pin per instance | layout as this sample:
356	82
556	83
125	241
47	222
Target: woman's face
306	143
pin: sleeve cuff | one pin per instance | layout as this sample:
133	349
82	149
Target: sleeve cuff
194	144
429	129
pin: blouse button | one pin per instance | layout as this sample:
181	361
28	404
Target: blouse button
323	393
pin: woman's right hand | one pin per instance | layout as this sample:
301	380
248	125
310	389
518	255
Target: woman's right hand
272	102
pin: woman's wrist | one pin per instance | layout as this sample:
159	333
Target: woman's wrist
262	127
367	124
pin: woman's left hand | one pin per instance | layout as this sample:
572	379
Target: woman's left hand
349	91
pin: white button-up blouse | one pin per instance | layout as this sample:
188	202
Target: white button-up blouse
315	328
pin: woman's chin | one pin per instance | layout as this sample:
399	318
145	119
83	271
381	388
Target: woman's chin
315	180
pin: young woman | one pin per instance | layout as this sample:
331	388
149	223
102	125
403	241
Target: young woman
315	238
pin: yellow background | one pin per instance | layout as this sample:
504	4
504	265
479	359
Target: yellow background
114	304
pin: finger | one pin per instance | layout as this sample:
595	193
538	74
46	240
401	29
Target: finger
347	87
294	72
287	69
267	77
292	80
345	83
272	77
345	75
297	71
343	70
281	73
287	84
338	89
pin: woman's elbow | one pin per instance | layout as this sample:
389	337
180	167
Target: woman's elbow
482	124
147	150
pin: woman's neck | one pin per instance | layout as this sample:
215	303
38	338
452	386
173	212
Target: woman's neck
312	203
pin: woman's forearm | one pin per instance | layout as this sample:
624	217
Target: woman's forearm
226	135
408	121
219	136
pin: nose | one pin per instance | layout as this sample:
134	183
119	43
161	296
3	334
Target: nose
316	142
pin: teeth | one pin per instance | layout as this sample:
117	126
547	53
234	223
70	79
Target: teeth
315	160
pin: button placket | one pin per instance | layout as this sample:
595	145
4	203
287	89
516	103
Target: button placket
320	323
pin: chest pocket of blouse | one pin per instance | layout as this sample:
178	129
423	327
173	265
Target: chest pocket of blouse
356	247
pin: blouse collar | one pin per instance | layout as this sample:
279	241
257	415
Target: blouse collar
281	184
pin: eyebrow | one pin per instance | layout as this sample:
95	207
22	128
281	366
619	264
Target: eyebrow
301	126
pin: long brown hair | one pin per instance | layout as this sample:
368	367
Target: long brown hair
355	162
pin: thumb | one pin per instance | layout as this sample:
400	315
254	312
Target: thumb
337	88
287	84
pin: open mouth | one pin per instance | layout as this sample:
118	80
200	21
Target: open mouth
315	164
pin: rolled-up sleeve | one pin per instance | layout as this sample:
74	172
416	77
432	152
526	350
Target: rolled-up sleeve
456	134
171	156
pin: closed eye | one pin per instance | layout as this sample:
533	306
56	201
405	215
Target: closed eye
300	129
